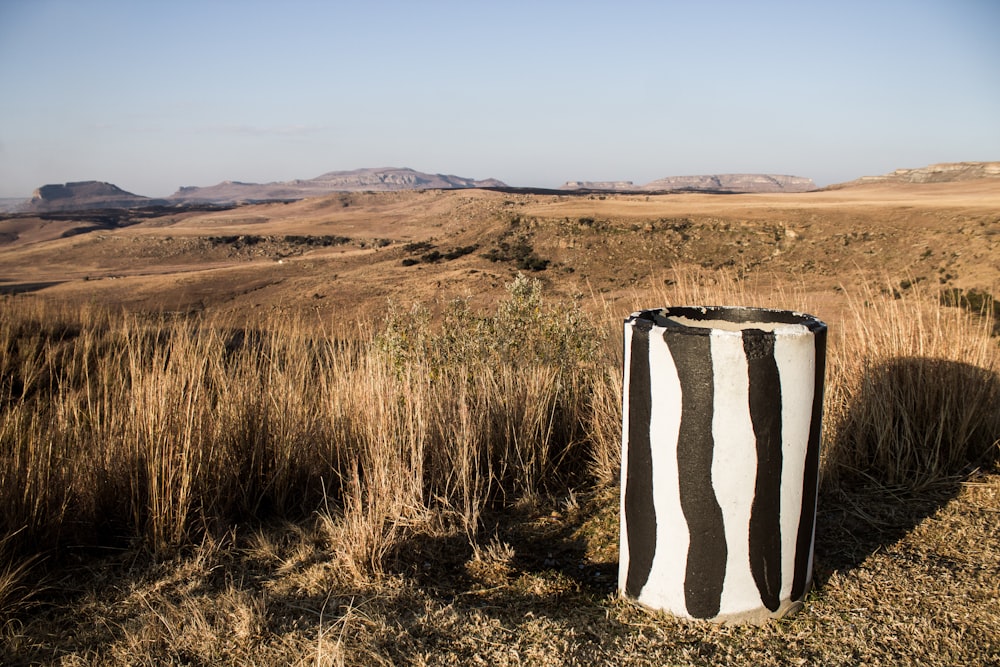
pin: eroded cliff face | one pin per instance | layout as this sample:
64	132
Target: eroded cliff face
734	183
945	172
599	185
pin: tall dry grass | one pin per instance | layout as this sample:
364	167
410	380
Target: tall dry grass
913	395
153	431
157	432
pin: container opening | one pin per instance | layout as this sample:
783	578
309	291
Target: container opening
704	319
725	325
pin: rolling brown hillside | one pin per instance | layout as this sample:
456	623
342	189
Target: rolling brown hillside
353	253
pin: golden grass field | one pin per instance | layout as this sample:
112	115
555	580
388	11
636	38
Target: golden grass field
384	428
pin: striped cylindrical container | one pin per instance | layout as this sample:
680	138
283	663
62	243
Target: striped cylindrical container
721	418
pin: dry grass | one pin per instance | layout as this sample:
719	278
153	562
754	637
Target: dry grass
914	395
444	493
119	430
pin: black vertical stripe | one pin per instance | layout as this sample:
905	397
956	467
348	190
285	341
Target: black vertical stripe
807	522
765	512
640	515
706	557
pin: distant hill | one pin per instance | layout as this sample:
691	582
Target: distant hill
944	172
734	183
386	179
84	195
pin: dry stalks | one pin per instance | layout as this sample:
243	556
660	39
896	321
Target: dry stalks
122	428
913	398
161	433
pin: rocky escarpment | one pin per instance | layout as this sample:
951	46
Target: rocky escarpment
599	185
944	172
728	183
734	183
386	179
84	195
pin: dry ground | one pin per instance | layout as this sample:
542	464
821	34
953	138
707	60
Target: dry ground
901	578
901	581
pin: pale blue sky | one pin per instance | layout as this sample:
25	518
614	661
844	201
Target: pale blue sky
155	95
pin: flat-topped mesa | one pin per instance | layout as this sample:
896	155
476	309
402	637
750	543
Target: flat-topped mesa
79	189
84	195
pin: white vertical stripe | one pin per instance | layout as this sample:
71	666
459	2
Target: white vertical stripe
665	587
795	355
623	524
734	466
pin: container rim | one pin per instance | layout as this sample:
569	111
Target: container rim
742	317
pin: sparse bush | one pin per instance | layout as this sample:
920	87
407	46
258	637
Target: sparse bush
322	241
431	257
533	263
520	252
526	370
418	246
461	251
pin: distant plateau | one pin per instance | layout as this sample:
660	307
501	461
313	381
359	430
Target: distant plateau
82	195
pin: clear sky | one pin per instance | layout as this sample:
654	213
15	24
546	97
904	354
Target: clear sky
151	95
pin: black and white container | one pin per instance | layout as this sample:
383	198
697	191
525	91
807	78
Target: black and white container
721	423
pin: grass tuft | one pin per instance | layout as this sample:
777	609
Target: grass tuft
914	398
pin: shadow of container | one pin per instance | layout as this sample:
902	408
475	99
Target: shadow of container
915	423
914	429
721	417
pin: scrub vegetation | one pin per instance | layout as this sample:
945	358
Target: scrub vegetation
442	488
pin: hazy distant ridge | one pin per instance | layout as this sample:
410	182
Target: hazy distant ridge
96	194
386	179
763	183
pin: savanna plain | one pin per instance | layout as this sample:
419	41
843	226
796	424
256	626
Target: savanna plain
384	428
